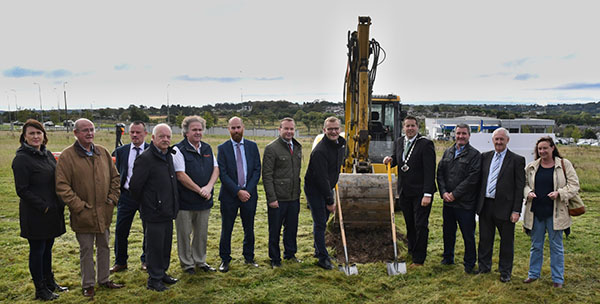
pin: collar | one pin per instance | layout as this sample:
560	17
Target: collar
235	143
194	148
83	152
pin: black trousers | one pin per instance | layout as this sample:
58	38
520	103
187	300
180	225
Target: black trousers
126	209
320	215
466	221
40	259
488	224
229	211
287	216
159	238
417	226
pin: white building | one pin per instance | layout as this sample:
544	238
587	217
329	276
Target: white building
438	128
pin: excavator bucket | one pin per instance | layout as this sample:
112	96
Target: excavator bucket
365	199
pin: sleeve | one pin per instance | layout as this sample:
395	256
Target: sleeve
519	183
268	165
319	164
227	181
428	167
528	187
571	188
178	160
471	182
441	175
64	180
21	174
115	180
394	162
253	181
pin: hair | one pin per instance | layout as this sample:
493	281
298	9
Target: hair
410	117
232	118
78	122
158	126
286	119
137	123
501	130
330	119
185	124
549	140
464	126
36	124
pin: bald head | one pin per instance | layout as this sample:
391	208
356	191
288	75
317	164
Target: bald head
84	132
236	128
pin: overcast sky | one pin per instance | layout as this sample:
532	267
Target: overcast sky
117	53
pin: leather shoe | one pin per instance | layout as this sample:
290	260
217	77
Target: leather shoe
206	268
275	264
251	263
190	271
470	270
144	266
504	278
325	264
89	292
557	285
117	268
224	267
167	279
157	286
529	280
482	271
111	285
294	259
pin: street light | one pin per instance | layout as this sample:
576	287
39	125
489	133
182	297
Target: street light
66	112
168	110
41	109
16	105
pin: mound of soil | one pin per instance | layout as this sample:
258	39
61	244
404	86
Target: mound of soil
366	245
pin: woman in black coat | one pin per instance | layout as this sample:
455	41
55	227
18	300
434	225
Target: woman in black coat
41	213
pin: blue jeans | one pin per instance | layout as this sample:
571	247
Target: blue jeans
557	257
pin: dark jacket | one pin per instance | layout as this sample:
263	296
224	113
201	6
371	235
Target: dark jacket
281	170
460	176
154	184
228	171
199	167
324	167
509	186
420	178
34	182
122	161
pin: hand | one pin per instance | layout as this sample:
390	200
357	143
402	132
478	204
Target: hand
274	204
243	195
531	195
553	195
448	197
331	208
386	160
205	192
514	217
425	201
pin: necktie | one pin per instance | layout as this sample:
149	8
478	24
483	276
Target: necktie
290	146
137	151
406	148
494	175
240	165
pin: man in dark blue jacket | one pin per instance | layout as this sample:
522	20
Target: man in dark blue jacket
154	185
127	206
197	171
239	171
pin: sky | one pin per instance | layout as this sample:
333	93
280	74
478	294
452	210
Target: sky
116	53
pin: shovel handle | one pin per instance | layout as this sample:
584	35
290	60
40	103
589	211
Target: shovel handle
392	214
339	207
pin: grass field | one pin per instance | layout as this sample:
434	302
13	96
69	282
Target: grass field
307	283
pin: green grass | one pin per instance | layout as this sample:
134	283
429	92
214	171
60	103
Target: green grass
306	283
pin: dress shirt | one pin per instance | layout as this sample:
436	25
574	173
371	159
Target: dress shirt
501	159
130	162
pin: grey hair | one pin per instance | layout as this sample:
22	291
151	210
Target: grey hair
185	124
159	126
506	133
464	126
80	120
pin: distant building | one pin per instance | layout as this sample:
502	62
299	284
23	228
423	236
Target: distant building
440	128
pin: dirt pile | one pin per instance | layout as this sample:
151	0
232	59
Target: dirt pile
366	246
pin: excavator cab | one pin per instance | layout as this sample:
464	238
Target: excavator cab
386	114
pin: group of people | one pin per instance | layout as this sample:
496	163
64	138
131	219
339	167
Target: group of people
492	185
167	183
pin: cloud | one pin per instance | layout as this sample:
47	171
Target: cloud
60	73
525	76
269	78
121	67
493	75
208	79
18	72
577	86
516	62
570	56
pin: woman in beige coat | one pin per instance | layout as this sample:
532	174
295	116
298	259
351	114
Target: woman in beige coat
550	181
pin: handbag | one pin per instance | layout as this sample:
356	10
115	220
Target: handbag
576	206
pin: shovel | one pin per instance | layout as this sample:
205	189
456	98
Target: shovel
346	268
393	268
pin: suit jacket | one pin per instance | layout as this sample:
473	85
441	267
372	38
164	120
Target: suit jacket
122	156
509	186
420	178
228	170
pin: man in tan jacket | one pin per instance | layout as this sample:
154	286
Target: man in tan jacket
88	182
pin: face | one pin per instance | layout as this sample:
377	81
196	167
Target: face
85	132
287	129
195	132
462	136
332	130
410	128
500	141
162	138
137	133
236	129
545	150
34	137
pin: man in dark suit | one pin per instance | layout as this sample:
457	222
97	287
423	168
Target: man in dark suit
127	206
415	157
239	166
499	204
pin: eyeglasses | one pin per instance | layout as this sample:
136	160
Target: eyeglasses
332	129
88	130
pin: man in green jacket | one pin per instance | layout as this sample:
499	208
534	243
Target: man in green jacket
281	178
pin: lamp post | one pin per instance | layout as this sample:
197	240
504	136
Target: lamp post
8	102
41	109
57	104
66	112
168	110
16	105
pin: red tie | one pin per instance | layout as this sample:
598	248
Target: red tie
290	146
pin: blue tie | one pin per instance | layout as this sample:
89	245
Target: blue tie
494	175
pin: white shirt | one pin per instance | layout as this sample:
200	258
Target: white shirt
131	161
179	160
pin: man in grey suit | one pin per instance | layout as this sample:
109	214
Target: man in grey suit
499	203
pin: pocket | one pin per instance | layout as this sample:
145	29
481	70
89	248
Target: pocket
282	188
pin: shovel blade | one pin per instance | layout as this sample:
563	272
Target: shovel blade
395	268
348	269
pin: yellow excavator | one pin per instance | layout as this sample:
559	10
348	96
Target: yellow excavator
371	123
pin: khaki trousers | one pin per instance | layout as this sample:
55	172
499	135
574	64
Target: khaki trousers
195	223
86	257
